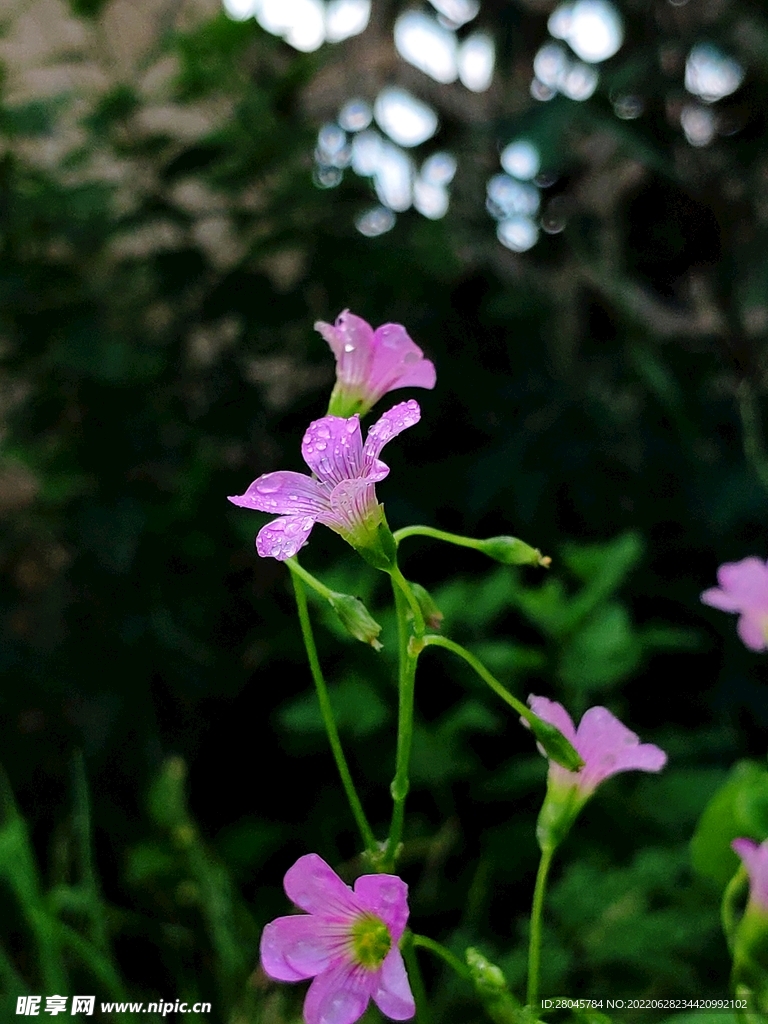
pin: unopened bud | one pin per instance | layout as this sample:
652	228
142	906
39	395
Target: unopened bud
554	744
356	619
511	551
432	614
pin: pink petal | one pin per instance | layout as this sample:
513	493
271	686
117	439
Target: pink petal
554	713
608	746
755	859
393	994
351	340
353	506
284	493
299	947
386	896
339	995
333	449
315	887
721	599
752	631
393	422
284	537
746	581
397	362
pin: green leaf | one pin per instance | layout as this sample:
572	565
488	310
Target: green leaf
357	708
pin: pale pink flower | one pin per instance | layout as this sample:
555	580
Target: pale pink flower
347	942
605	745
755	860
744	589
340	494
371	363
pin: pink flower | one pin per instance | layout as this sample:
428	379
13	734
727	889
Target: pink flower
341	493
755	860
605	746
371	363
744	589
347	942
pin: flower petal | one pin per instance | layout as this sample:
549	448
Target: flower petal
315	887
397	362
755	859
339	995
301	946
752	631
393	422
747	581
284	493
386	896
284	537
354	508
721	599
393	994
351	341
554	713
333	449
608	746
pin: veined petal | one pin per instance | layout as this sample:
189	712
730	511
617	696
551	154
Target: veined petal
386	896
284	537
398	362
351	340
354	508
393	994
315	887
339	995
333	449
393	422
608	747
301	946
284	493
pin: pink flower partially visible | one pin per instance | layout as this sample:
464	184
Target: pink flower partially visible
371	363
341	493
744	589
755	860
605	745
347	941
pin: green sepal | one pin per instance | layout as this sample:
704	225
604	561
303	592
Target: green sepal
432	614
356	618
558	812
555	745
492	990
511	551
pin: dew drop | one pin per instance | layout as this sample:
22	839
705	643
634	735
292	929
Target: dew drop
349	348
267	486
321	446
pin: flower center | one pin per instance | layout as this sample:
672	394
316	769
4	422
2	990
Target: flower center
371	941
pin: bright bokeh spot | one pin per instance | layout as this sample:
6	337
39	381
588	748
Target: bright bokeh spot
375	222
592	28
300	22
477	58
355	115
507	197
429	199
393	178
699	124
517	233
366	152
241	10
521	160
711	75
406	120
439	169
345	18
550	65
456	12
579	82
427	45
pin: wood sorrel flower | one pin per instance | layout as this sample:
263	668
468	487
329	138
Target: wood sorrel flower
347	942
744	589
341	493
370	363
755	860
606	747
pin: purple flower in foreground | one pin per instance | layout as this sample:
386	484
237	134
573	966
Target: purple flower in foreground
755	860
371	363
744	589
347	942
341	493
605	745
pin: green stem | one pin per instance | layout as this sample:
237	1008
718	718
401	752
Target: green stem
423	1015
406	691
401	585
429	531
733	891
450	645
534	948
356	806
445	954
309	579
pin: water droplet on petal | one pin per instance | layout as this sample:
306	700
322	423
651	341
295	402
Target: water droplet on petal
349	348
267	486
321	446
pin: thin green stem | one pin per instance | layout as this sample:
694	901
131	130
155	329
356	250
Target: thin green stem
401	584
498	688
326	710
406	692
534	947
423	1016
735	889
429	531
445	954
309	579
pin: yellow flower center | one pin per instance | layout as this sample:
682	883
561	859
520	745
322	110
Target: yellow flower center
371	941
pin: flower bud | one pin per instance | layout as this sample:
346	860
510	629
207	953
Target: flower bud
511	551
356	619
491	987
432	614
554	744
